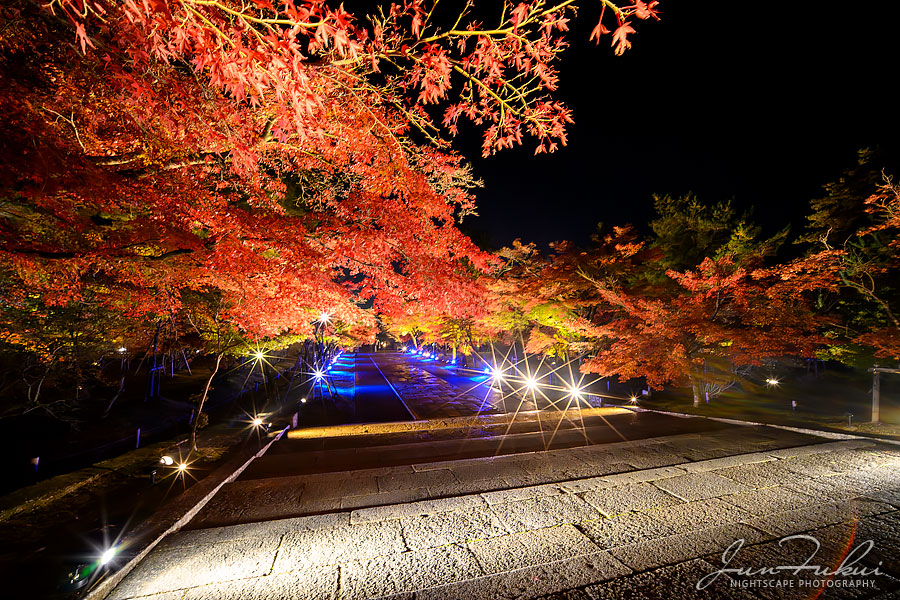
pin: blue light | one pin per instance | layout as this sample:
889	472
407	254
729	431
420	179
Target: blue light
487	370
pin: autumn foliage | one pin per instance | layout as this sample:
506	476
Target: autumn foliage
274	160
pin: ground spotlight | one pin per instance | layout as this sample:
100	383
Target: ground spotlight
633	399
318	374
182	467
258	355
530	382
772	381
107	556
167	460
257	421
303	400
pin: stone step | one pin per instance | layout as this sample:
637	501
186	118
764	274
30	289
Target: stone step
300	457
371	491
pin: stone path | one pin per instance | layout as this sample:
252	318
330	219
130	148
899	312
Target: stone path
644	519
429	396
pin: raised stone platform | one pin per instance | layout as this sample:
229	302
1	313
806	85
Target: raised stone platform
641	519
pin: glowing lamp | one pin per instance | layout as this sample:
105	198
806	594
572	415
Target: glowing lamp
530	382
257	421
303	400
318	374
182	467
167	461
107	556
772	381
123	349
324	317
633	399
258	355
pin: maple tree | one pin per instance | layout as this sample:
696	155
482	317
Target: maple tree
695	326
851	236
287	157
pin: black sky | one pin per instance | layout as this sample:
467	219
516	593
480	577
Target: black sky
723	99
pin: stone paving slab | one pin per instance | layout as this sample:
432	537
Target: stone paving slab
430	531
352	501
885	530
631	497
319	547
671	520
683	547
677	581
547	511
276	528
700	486
425	507
185	567
818	515
532	582
531	548
407	571
309	584
765	501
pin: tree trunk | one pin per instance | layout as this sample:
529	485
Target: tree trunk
153	372
118	393
187	365
203	401
696	387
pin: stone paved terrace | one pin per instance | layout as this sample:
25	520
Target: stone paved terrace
644	519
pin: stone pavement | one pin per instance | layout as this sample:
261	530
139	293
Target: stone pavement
429	396
641	519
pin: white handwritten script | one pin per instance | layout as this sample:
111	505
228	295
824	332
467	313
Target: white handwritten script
847	568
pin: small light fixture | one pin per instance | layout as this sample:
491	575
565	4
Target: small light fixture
167	460
318	374
530	382
303	400
324	317
258	355
182	467
257	421
107	556
633	399
123	349
772	381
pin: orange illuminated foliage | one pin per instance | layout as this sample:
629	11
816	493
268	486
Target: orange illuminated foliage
284	155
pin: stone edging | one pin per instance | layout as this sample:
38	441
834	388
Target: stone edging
186	507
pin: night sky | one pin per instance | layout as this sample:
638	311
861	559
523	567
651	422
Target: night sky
731	103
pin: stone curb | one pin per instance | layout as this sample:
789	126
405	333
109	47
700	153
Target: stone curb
825	434
173	517
445	423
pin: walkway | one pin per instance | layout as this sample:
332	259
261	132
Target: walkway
375	398
638	519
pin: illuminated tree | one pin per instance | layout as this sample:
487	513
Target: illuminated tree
265	152
853	236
